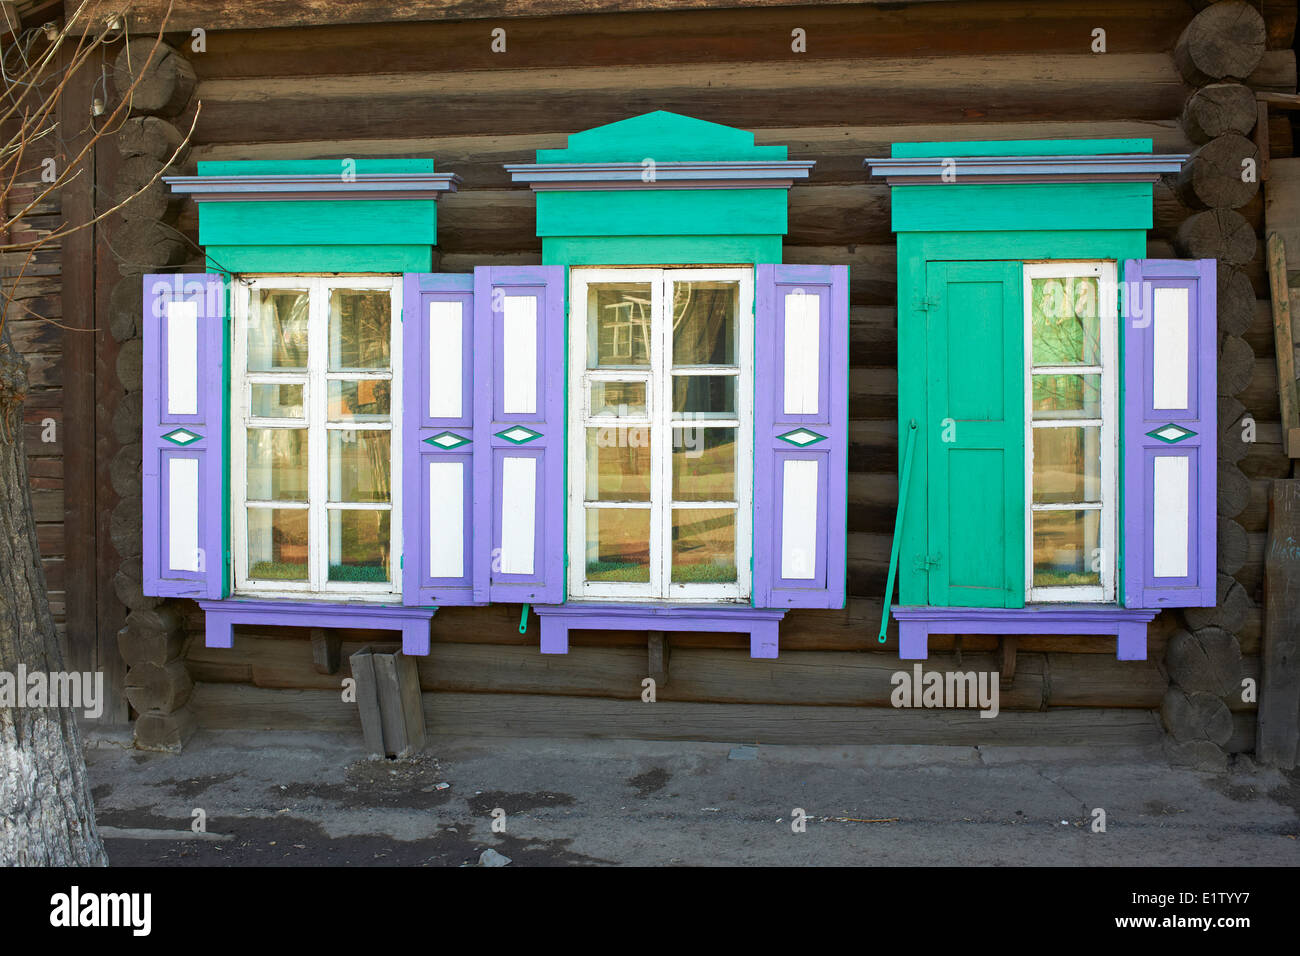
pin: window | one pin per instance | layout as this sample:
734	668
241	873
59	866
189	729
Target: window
314	456
1070	436
661	431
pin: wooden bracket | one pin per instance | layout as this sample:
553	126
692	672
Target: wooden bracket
326	650
659	652
1280	291
1008	646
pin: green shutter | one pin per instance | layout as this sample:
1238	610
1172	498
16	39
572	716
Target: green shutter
976	434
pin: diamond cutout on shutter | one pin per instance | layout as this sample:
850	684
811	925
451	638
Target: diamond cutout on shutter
448	440
519	435
181	436
802	437
1171	434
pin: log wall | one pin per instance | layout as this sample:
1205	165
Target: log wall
872	74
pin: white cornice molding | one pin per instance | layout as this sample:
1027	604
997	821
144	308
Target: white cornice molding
1103	168
717	174
313	186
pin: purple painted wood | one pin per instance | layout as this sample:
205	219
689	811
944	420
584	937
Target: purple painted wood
1129	625
826	588
220	617
204	573
421	448
542	437
761	624
1142	588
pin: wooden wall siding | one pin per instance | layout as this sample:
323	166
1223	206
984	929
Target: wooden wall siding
874	74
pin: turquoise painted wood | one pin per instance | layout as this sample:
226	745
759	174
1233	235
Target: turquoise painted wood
656	226
349	235
951	207
1045	221
976	434
668	137
1022	147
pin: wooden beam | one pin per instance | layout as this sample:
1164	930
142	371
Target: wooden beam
1287	101
1261	137
1280	291
1279	687
1008	644
326	650
659	652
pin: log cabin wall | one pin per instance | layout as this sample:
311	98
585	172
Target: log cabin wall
872	74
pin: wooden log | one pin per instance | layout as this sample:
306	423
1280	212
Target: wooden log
145	196
1232	605
1236	307
160	687
144	245
126	528
163	619
1278	738
165	732
127	418
124	470
130	365
166	78
1234	546
1234	490
1215	175
1255	517
1208	660
149	136
1236	365
1195	716
126	308
1217	109
1196	754
1217	234
1232	446
239	706
1223	40
141	646
130	592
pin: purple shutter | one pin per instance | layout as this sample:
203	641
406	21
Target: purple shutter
519	417
184	495
439	447
801	411
1169	437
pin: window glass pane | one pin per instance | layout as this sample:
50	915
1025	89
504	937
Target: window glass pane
704	545
704	464
360	328
359	465
618	544
618	324
359	545
615	399
618	463
704	396
1066	546
367	400
1067	464
1066	329
276	401
277	464
704	322
277	329
277	544
1067	396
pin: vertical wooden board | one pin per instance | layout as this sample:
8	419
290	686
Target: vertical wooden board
408	690
363	671
1279	693
390	704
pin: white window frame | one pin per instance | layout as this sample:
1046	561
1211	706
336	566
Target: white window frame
658	376
1108	325
315	399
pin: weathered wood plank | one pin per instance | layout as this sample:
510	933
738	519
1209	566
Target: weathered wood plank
1279	689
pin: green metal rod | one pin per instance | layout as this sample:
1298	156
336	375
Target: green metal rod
898	527
523	619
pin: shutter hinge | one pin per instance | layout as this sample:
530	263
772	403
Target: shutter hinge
401	561
924	562
925	304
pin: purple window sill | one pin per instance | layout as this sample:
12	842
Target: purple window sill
1128	625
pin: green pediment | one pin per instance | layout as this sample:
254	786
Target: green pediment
664	137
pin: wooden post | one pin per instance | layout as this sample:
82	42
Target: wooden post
388	699
1282	342
326	650
1279	687
1009	644
659	651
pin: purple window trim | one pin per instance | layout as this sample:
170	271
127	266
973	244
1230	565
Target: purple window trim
208	291
220	617
546	584
761	624
418	587
1129	625
1141	588
827	588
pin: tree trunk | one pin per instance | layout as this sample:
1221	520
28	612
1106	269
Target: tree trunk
47	817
